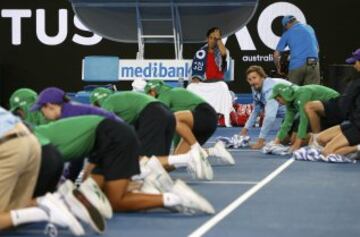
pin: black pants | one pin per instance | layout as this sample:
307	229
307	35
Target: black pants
75	167
51	168
351	132
155	128
333	115
116	151
205	122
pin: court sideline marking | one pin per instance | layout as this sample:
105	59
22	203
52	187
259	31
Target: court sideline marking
240	200
222	182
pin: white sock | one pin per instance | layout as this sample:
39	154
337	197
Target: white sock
154	163
211	151
38	199
358	147
143	170
28	215
143	174
137	177
195	146
179	160
171	199
58	196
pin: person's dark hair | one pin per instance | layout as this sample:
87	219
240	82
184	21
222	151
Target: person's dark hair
292	20
258	69
96	103
17	112
66	99
211	30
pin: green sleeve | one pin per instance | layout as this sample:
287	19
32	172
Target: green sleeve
34	118
288	121
108	107
165	99
39	119
42	139
304	121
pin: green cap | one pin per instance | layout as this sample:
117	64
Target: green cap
21	98
99	95
153	84
287	92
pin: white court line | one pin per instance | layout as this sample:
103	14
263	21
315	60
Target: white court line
241	149
240	200
247	150
222	182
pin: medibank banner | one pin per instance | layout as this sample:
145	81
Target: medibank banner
161	69
108	69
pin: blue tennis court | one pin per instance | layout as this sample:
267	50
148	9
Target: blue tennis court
262	195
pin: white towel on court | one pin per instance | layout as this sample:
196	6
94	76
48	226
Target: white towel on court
312	154
235	141
276	149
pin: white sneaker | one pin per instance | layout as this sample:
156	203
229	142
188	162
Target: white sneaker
96	197
158	181
208	172
191	202
59	214
82	208
199	166
221	152
149	185
144	171
194	165
66	187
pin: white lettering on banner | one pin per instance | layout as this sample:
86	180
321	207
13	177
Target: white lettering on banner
92	40
16	16
258	58
243	37
150	69
264	26
41	28
267	17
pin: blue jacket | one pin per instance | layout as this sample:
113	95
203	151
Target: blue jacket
271	107
302	42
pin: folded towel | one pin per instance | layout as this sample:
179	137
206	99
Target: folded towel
235	141
310	153
336	158
276	149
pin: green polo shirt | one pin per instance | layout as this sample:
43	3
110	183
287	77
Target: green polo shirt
303	95
178	99
127	105
73	137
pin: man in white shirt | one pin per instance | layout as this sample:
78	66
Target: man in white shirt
261	86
